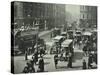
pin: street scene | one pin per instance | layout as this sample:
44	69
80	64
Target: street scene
49	37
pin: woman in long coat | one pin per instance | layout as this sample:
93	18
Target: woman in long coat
84	65
41	64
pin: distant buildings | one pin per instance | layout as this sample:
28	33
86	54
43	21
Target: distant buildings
44	15
88	16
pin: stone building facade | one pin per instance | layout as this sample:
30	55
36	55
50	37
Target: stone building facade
45	15
88	16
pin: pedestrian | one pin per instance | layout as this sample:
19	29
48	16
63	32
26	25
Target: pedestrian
61	56
66	55
72	51
29	50
89	47
26	54
31	70
95	57
84	50
56	60
33	61
51	50
84	64
57	51
38	70
35	56
70	60
90	61
41	64
41	51
30	66
80	44
25	70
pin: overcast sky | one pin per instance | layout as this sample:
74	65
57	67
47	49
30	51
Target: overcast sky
74	10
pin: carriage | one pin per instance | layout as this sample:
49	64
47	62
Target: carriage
57	44
67	47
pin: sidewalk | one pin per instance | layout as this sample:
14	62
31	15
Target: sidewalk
19	64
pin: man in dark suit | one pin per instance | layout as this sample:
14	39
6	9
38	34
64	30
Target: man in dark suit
56	60
70	60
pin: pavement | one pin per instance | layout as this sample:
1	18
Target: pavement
19	63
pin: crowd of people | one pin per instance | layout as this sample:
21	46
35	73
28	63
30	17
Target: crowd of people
87	43
37	59
69	59
37	51
29	68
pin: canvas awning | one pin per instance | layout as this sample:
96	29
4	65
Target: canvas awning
57	38
66	43
87	33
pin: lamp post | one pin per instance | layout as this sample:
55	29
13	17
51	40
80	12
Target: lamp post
37	30
37	38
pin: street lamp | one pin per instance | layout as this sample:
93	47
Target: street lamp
37	30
